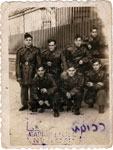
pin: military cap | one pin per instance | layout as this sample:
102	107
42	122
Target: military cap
26	35
39	66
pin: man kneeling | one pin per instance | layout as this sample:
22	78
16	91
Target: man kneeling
43	91
72	88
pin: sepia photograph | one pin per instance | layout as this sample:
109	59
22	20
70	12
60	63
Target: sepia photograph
56	74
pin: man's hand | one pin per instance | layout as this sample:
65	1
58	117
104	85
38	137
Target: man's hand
89	46
49	63
35	75
19	80
81	62
41	102
47	103
68	95
90	84
44	90
100	83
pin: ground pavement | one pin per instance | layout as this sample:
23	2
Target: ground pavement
26	128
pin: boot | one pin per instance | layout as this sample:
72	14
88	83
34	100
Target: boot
61	109
68	109
91	105
73	110
56	114
101	109
23	108
34	109
77	112
41	110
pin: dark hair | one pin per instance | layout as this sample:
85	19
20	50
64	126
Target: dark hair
93	27
26	35
95	60
70	65
77	36
51	40
39	66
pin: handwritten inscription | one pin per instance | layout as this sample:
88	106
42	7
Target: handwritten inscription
89	128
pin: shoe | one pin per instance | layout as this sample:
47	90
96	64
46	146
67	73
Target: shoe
41	110
61	109
101	109
77	112
34	110
73	110
68	109
56	114
23	108
91	105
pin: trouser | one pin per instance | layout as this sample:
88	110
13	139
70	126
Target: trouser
43	100
56	101
25	94
74	102
98	97
40	101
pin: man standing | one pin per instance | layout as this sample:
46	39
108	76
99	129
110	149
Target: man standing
78	54
27	59
53	59
94	43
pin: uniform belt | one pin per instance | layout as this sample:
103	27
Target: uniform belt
28	63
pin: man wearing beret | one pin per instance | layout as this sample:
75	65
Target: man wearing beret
27	60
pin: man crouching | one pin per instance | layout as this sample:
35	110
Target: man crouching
97	85
72	88
43	91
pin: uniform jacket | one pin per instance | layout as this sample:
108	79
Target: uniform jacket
27	59
47	81
74	55
95	43
57	59
72	84
95	77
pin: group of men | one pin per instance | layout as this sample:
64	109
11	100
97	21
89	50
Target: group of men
58	79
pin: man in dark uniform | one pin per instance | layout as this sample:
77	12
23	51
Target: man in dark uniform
71	87
96	83
78	54
27	59
94	43
43	91
53	59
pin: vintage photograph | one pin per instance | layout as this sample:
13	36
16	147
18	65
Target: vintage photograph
56	74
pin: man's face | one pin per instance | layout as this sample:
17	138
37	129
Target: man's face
52	46
96	66
94	32
40	72
78	42
71	71
28	41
